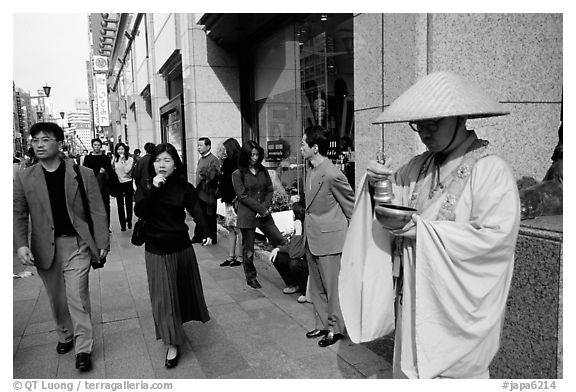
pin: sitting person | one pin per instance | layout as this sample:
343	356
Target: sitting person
290	259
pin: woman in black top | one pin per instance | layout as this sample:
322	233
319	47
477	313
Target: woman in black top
173	276
254	189
227	195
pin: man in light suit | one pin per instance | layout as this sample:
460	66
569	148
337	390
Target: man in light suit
329	206
63	245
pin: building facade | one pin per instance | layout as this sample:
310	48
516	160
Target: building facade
177	77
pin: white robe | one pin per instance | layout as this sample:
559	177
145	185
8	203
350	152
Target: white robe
457	273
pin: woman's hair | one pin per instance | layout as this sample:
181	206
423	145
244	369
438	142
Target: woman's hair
299	211
126	153
232	148
246	150
171	150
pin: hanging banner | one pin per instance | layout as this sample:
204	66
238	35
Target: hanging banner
95	111
103	116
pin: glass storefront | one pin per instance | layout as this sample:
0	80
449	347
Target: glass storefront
303	76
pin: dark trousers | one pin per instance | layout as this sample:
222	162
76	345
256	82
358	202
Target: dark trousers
294	272
124	198
209	213
248	235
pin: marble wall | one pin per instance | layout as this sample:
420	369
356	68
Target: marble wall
531	345
211	91
517	58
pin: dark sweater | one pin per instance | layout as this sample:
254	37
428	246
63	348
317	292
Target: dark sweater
164	210
96	162
227	192
57	195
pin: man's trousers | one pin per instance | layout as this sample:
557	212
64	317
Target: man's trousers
323	289
66	283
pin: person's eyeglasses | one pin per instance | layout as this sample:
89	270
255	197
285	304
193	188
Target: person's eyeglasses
43	140
419	126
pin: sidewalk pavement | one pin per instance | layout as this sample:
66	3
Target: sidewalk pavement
252	333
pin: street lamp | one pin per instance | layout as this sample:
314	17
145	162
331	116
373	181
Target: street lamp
47	90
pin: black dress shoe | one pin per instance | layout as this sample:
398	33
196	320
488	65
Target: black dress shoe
226	262
122	229
254	284
316	333
235	263
83	361
170	363
63	348
330	339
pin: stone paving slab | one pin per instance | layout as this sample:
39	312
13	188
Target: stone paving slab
252	334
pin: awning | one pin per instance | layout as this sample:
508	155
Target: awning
235	29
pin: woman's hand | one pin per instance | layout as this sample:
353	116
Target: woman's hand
259	215
378	172
158	180
207	241
273	254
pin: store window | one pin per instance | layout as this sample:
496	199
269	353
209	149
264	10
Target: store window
303	76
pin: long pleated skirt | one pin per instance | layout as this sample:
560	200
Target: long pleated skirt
176	293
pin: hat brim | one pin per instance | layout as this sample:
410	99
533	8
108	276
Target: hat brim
439	95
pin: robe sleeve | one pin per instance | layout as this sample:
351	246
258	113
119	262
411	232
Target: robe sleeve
463	274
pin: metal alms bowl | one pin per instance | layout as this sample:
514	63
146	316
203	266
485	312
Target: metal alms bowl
393	217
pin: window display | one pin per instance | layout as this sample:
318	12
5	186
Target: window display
303	76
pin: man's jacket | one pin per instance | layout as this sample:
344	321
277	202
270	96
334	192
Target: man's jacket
31	199
329	206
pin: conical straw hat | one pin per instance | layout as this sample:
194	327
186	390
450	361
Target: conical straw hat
441	94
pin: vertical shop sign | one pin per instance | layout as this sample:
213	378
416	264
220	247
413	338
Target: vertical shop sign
95	111
103	116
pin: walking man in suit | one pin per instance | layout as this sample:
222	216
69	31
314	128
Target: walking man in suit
329	206
63	245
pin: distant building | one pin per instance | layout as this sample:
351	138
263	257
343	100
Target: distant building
80	127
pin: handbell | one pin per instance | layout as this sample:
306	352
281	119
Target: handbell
383	193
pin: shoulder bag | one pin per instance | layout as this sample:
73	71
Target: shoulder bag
139	232
101	261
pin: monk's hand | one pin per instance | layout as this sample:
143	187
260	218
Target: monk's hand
103	253
408	231
25	255
378	172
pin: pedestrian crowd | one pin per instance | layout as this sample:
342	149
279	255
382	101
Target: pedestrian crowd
440	282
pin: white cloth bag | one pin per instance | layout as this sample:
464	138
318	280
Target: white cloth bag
365	281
